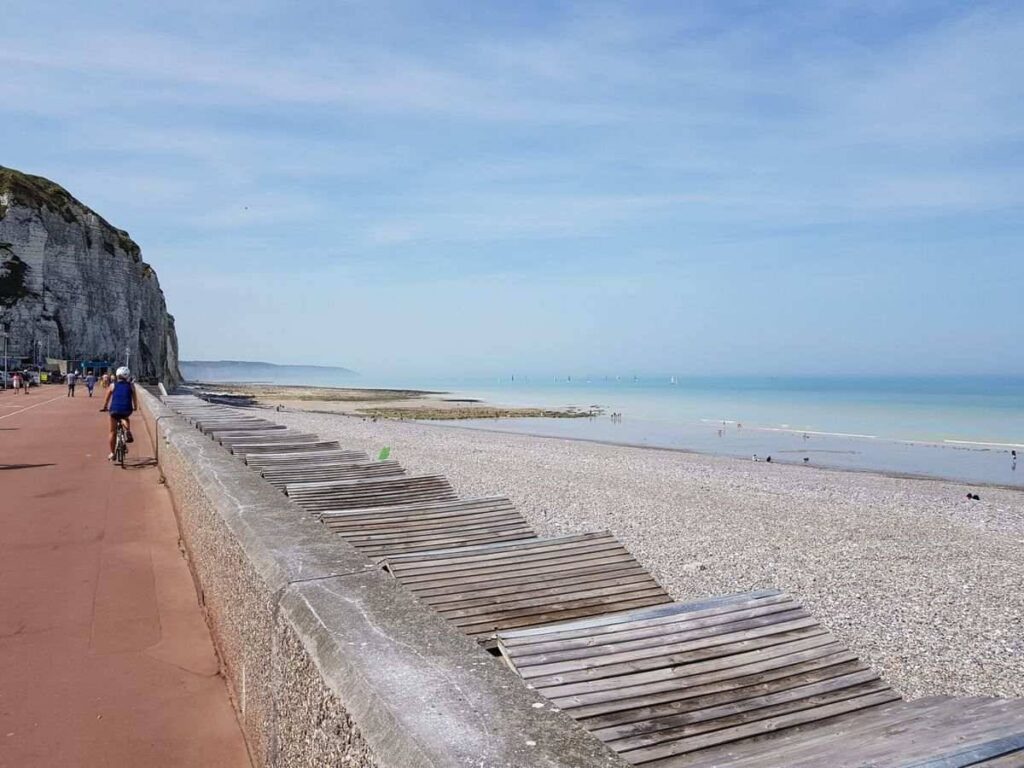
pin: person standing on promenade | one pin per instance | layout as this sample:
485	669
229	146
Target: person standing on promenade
16	382
90	382
122	403
71	383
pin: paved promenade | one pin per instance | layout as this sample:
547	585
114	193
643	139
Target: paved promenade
105	659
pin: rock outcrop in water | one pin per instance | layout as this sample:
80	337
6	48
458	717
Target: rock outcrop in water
72	286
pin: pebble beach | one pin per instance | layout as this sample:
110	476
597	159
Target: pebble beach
923	584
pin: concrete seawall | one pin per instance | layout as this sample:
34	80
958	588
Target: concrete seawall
330	662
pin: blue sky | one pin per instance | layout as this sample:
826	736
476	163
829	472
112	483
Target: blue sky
451	187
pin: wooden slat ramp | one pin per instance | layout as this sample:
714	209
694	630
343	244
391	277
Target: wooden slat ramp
484	589
387	531
361	470
303	459
228	439
706	683
246	449
378	492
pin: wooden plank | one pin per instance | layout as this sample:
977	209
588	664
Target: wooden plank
262	436
695	669
267	460
469	585
390	531
588	647
727	688
654	726
416	511
818	740
347	471
527	572
623	704
247	449
723	648
338	495
629	621
745	727
380	552
939	732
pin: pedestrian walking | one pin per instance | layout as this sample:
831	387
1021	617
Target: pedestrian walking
26	379
16	381
71	383
90	382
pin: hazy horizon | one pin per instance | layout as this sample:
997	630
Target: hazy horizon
431	189
584	375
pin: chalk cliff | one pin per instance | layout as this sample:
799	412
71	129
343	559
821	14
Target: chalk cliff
72	286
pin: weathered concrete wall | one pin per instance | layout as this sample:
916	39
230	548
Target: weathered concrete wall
329	660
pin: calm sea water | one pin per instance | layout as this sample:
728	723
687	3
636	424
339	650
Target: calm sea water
960	428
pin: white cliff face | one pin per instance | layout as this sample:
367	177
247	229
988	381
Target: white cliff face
73	286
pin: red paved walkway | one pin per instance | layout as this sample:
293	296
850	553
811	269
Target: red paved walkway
104	656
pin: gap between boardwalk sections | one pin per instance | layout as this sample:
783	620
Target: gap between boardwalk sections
746	679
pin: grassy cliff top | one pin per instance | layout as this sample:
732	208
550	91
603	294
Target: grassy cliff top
37	192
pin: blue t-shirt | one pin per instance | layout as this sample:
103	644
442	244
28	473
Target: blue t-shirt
121	400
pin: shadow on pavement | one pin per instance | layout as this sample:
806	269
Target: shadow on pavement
24	466
140	463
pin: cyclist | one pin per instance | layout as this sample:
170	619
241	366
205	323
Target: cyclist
121	402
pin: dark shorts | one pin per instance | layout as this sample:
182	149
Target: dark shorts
118	416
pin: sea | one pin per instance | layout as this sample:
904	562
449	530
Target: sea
963	428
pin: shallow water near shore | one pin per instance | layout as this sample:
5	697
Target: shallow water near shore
959	428
954	427
971	464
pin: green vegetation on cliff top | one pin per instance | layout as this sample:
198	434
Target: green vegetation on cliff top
37	192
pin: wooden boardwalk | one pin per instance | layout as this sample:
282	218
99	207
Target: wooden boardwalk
702	684
745	681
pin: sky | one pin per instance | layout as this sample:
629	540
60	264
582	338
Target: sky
453	188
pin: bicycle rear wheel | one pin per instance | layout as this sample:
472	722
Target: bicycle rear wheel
120	447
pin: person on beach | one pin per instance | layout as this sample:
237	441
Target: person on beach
71	383
90	382
121	402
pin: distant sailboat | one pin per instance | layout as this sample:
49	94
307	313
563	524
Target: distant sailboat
673	380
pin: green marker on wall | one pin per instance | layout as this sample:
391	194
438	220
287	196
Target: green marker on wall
384	453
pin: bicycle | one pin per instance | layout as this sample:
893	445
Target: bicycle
120	442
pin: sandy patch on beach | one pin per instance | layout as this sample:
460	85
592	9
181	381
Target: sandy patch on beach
926	586
384	403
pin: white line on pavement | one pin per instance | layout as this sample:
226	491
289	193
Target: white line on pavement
30	407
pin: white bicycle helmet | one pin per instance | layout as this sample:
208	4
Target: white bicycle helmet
123	372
